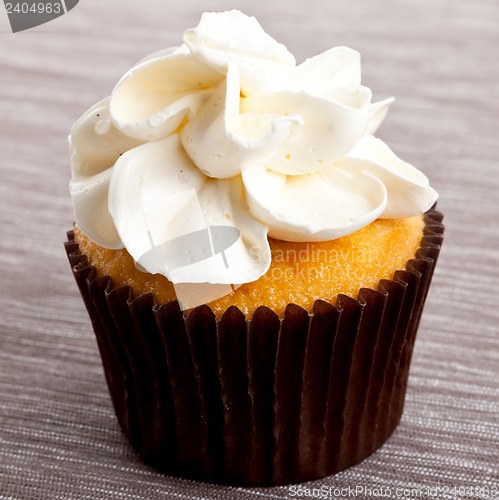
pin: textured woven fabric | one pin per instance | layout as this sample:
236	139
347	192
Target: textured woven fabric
59	438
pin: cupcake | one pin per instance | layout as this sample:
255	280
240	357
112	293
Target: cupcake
253	260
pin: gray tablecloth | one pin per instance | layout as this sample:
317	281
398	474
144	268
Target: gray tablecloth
58	434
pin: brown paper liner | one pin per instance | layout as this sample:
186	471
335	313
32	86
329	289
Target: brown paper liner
265	401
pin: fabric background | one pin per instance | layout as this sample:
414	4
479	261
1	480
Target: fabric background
58	434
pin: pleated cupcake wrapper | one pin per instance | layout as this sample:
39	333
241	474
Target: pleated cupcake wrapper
263	401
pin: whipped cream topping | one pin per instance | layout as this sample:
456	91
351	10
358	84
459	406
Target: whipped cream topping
228	131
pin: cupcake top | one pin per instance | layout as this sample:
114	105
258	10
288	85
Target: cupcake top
204	150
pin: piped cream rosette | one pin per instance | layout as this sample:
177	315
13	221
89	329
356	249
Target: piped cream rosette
226	130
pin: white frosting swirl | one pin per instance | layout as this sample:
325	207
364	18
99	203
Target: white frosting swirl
227	131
